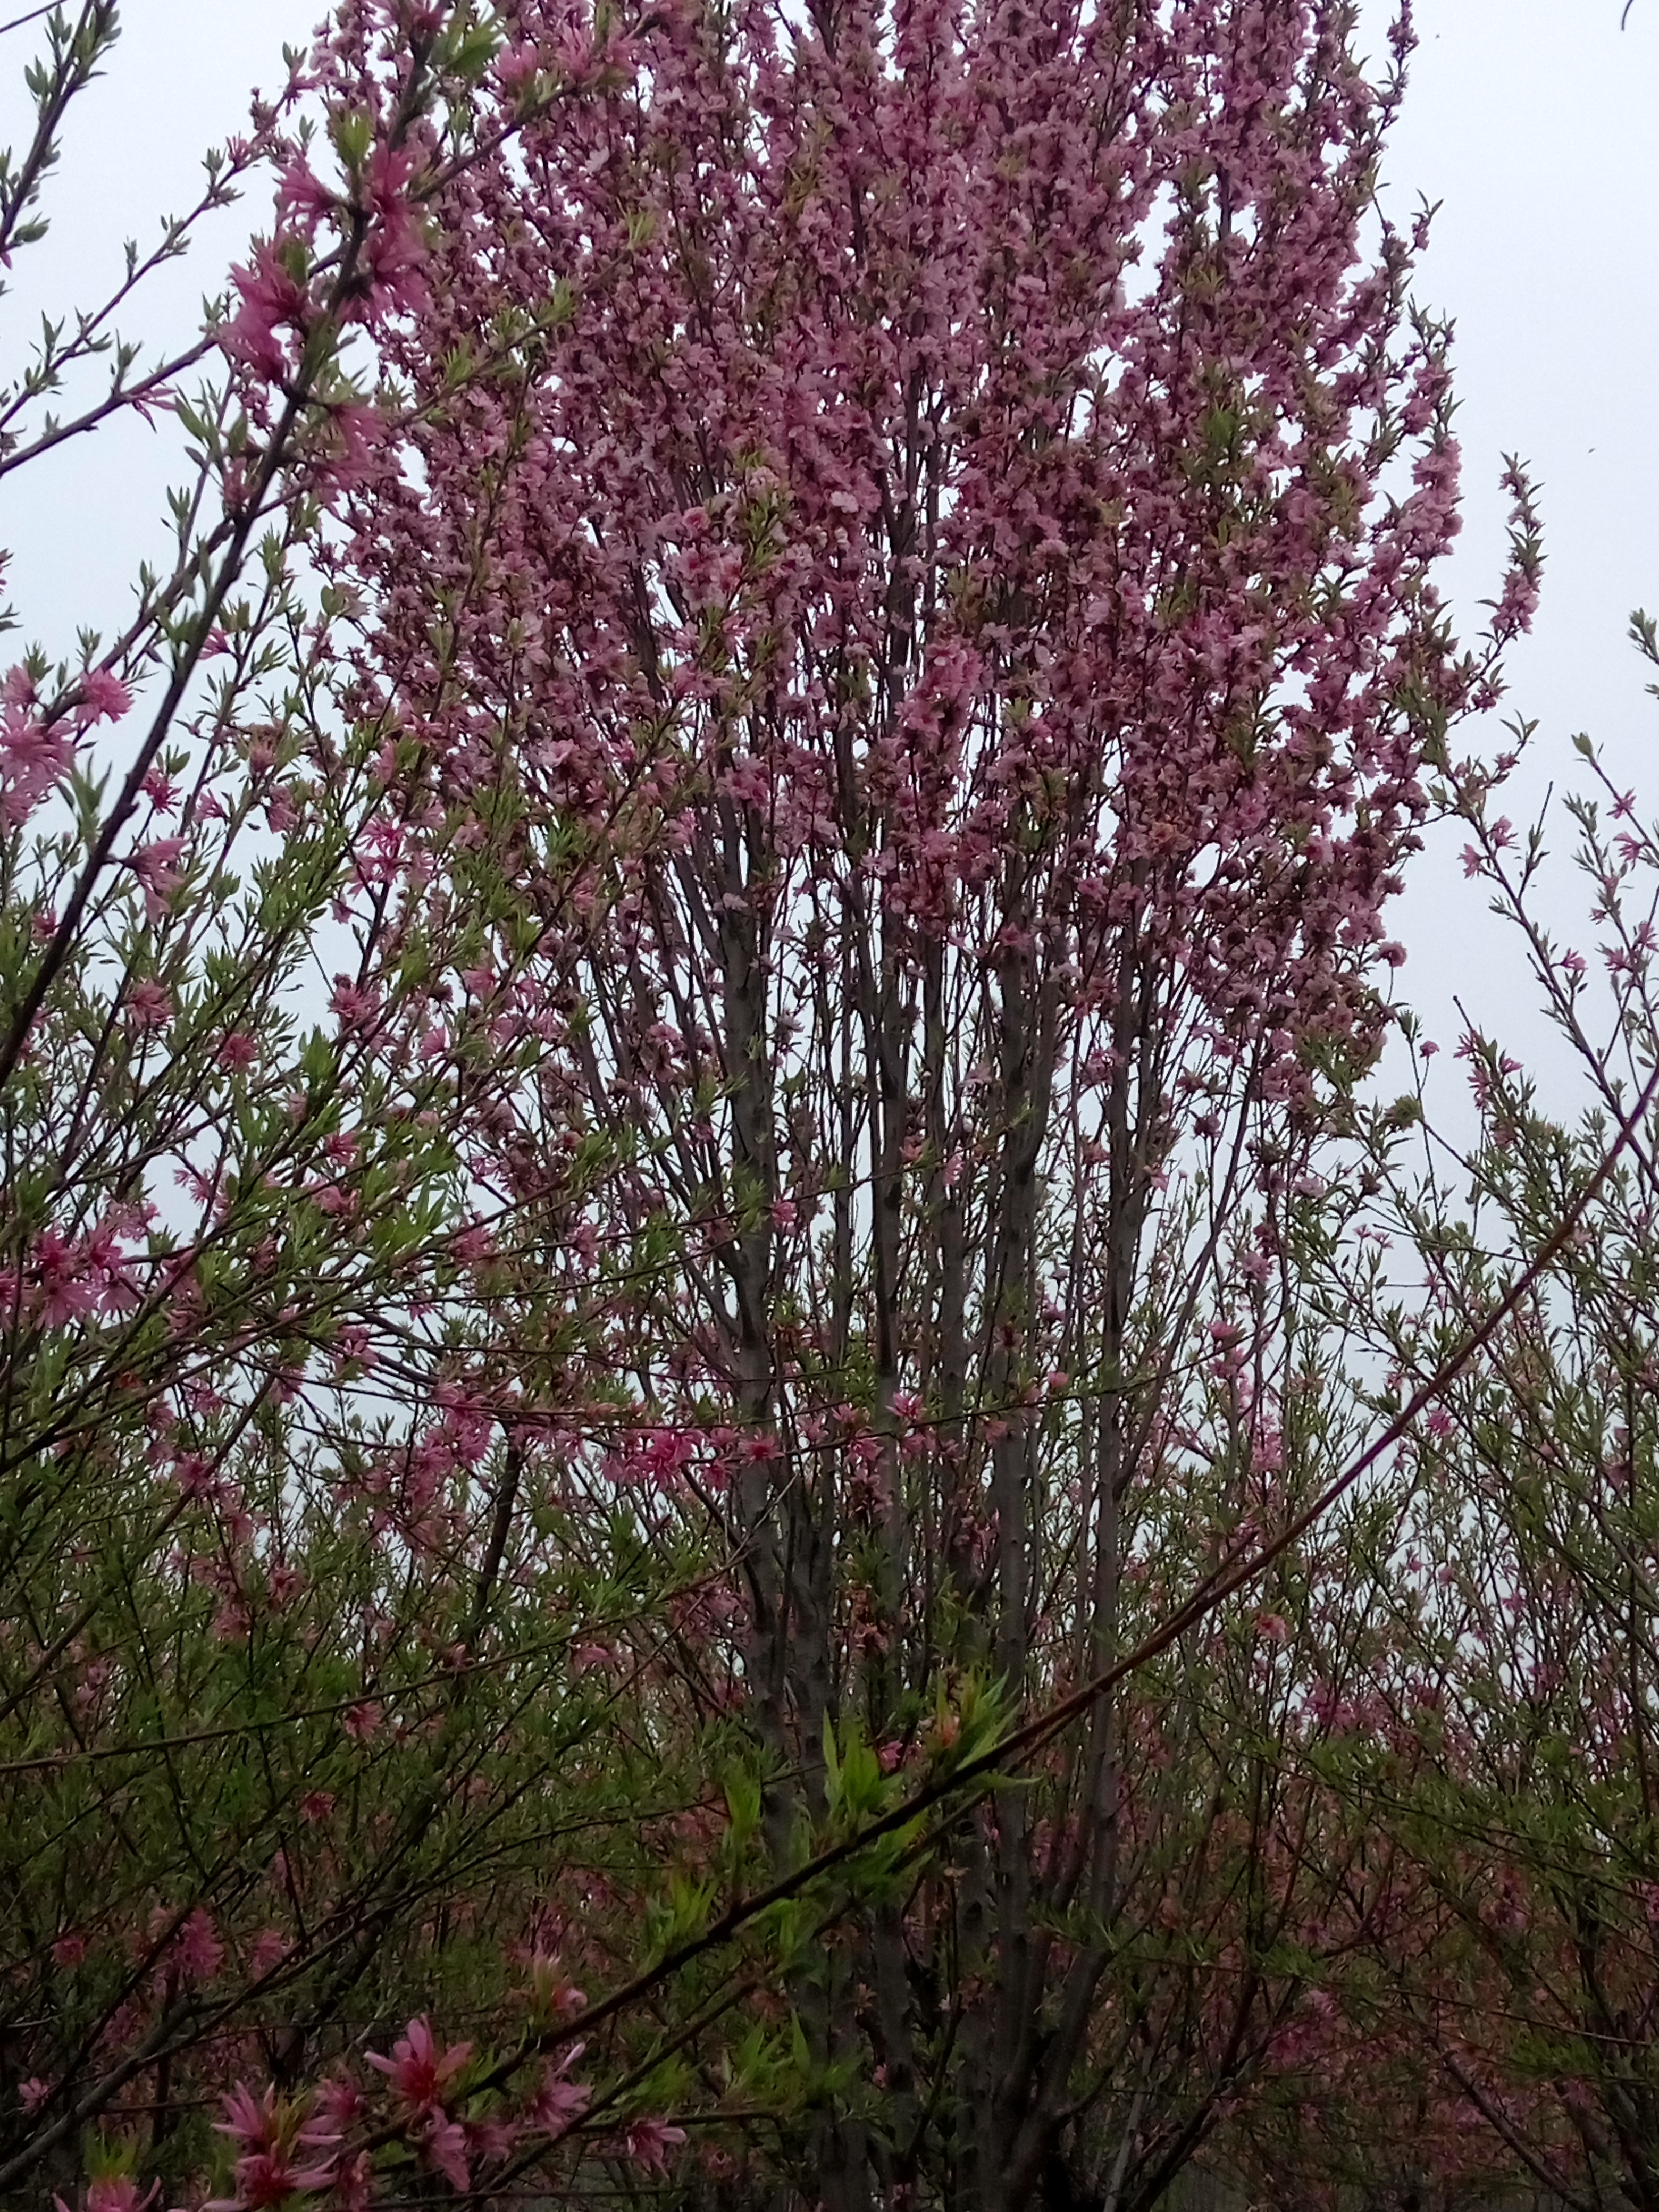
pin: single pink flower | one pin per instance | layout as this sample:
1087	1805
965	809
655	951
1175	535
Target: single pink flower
363	1721
104	697
155	866
266	2176
353	435
33	758
247	2119
273	2130
490	2140
559	2103
420	2069
149	1005
350	1004
445	2146
63	1281
200	1953
394	249
301	192
354	2181
271	301
554	1991
650	2142
115	2193
340	2101
267	1952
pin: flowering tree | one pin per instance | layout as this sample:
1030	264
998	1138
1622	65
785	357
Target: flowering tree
308	1649
906	603
1510	1756
664	1131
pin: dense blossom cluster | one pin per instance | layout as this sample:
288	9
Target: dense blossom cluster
915	671
689	1126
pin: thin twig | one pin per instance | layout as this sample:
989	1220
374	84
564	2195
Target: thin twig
33	16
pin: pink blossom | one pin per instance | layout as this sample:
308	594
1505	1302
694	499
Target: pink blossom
554	1993
300	191
490	2139
104	697
517	66
354	1347
559	2102
284	1583
339	2101
115	2193
444	2145
354	2181
155	866
267	1952
363	1721
650	2142
33	757
193	1473
247	2119
395	250
199	1953
149	1005
355	434
63	1282
352	1003
420	2069
273	301
272	2130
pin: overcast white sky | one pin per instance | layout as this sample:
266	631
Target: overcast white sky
1533	121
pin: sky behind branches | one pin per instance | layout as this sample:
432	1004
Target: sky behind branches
1530	121
1532	124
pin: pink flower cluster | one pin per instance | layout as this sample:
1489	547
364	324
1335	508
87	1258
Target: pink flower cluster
38	750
